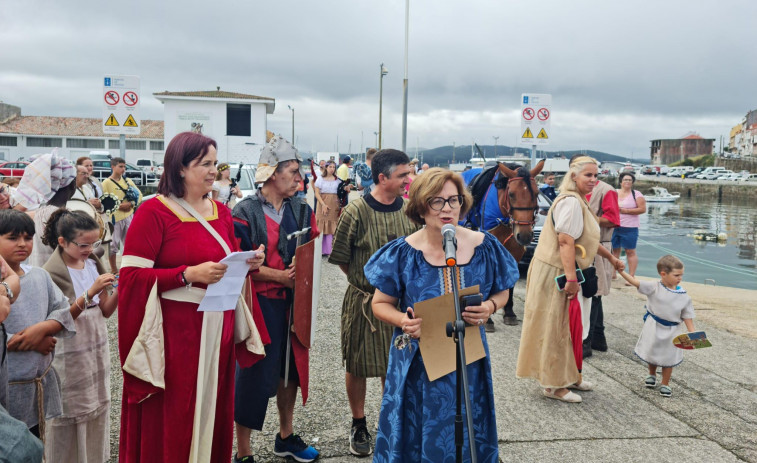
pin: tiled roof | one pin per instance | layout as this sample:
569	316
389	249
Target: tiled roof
74	127
215	94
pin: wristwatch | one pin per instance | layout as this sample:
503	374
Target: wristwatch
8	291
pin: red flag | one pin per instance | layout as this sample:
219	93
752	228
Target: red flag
576	331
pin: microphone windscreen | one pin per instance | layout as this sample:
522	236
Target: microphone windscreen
448	229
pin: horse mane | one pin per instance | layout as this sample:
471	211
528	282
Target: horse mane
480	185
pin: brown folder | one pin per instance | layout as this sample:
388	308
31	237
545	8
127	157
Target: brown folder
437	349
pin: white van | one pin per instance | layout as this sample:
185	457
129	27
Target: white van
709	171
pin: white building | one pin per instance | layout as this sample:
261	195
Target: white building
236	121
25	136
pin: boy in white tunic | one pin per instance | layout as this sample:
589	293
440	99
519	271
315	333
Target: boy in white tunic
667	306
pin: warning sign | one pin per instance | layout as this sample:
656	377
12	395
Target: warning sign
130	122
536	118
121	105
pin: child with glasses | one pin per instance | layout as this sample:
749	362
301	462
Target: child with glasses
83	362
39	317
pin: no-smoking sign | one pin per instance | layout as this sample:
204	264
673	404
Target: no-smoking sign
528	114
112	97
130	98
543	114
536	118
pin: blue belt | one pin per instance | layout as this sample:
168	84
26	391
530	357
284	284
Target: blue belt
659	320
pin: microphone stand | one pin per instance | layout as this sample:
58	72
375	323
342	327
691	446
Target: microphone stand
456	330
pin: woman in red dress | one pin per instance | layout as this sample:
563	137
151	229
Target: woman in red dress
178	393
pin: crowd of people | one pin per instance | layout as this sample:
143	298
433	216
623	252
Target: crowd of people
196	381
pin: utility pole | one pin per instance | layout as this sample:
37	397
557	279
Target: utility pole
404	81
383	72
495	147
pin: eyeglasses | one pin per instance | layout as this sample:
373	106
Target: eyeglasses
83	246
437	203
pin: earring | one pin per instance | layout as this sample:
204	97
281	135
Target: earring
182	175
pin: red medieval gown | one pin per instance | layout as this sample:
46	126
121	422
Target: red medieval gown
157	424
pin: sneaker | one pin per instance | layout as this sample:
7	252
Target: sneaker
293	446
665	391
360	441
489	327
650	381
247	459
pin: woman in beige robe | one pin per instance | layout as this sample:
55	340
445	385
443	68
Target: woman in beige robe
546	352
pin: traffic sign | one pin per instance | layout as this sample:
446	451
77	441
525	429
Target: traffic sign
540	106
121	103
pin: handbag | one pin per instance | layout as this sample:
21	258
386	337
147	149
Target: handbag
590	286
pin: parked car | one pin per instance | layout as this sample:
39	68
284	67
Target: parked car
148	165
541	216
749	178
693	173
12	168
246	180
102	171
732	177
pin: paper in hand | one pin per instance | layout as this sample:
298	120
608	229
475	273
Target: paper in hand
223	295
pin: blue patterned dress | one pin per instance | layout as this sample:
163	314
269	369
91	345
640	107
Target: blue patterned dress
417	415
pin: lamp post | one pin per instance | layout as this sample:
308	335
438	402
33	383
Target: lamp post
292	109
383	72
495	146
404	82
376	133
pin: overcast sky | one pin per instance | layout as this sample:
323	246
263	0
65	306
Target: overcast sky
620	73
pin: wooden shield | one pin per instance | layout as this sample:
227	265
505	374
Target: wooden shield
303	292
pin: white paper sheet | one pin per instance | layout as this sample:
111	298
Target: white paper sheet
223	295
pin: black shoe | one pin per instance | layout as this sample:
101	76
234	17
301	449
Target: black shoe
293	446
599	345
360	441
247	459
587	350
489	327
511	320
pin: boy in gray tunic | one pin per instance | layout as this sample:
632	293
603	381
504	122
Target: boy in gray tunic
40	313
668	306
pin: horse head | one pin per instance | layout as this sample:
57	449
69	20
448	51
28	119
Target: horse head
518	200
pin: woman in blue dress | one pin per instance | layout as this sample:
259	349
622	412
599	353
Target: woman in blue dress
417	415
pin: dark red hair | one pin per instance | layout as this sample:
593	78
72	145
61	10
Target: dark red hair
182	150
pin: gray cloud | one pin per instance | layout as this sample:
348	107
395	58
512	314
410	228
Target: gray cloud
620	73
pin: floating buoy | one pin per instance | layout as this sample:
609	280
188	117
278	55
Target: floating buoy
702	235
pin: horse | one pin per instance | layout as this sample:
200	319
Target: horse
517	197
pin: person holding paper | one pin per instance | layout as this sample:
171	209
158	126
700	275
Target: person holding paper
267	217
546	351
414	425
181	410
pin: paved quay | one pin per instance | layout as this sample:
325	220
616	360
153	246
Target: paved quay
712	416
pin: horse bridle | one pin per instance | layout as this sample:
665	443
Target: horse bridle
509	207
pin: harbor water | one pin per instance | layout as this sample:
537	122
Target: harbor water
669	228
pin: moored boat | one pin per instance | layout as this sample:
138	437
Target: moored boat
661	195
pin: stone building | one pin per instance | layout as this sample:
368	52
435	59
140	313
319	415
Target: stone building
667	151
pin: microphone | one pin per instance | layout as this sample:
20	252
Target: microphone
450	245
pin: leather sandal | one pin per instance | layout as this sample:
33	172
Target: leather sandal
570	397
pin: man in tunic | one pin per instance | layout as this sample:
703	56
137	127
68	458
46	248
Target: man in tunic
267	217
365	225
603	201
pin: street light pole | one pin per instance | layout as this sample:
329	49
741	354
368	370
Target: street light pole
383	72
404	82
292	109
495	146
376	133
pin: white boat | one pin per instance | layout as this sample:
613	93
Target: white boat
661	195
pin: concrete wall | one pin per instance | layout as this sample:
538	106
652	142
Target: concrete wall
673	150
693	188
8	112
13	153
179	115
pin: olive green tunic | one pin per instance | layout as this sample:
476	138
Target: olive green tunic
365	225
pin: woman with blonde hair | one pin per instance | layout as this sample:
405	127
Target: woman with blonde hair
327	206
222	189
546	349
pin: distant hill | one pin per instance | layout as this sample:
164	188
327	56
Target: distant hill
442	156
